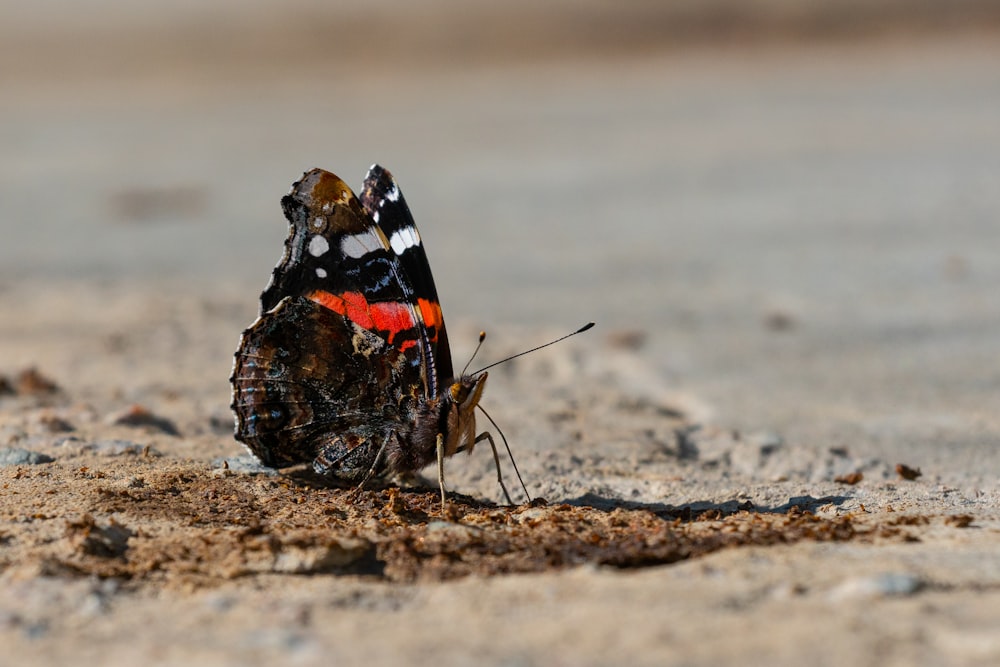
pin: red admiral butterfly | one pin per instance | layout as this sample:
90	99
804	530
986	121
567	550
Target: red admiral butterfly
348	366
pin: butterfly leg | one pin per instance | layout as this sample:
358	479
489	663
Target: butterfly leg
374	466
485	435
349	458
440	456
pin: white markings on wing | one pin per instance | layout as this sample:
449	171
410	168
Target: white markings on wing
359	245
403	238
321	272
318	246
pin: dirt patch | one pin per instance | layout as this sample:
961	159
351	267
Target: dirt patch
159	522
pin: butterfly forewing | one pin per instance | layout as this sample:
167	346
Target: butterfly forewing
384	203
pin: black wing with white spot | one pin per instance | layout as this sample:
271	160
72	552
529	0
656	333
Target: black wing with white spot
383	201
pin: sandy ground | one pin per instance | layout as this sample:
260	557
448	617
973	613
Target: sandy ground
790	253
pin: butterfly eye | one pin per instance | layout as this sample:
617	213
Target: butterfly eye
459	392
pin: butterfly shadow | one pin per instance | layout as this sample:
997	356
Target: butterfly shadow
695	509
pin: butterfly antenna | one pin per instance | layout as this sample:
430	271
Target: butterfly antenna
586	326
482	337
510	454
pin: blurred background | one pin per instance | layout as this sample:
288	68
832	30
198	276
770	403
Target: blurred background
791	208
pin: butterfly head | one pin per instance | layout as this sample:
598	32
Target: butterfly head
464	394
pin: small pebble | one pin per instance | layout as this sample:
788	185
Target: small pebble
54	424
890	584
140	416
907	473
851	478
244	464
119	448
30	381
319	558
15	456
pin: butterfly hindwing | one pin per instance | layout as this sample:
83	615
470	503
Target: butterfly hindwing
290	397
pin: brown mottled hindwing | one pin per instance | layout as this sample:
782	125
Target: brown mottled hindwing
309	386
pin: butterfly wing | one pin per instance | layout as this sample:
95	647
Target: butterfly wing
384	203
339	356
296	387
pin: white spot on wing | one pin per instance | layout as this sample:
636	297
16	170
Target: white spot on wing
318	246
319	221
321	272
375	216
404	238
359	245
393	194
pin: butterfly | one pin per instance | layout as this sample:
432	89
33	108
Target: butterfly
348	367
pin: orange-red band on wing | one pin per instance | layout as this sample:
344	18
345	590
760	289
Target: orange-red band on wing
431	312
391	316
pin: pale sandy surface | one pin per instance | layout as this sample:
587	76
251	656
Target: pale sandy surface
806	236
